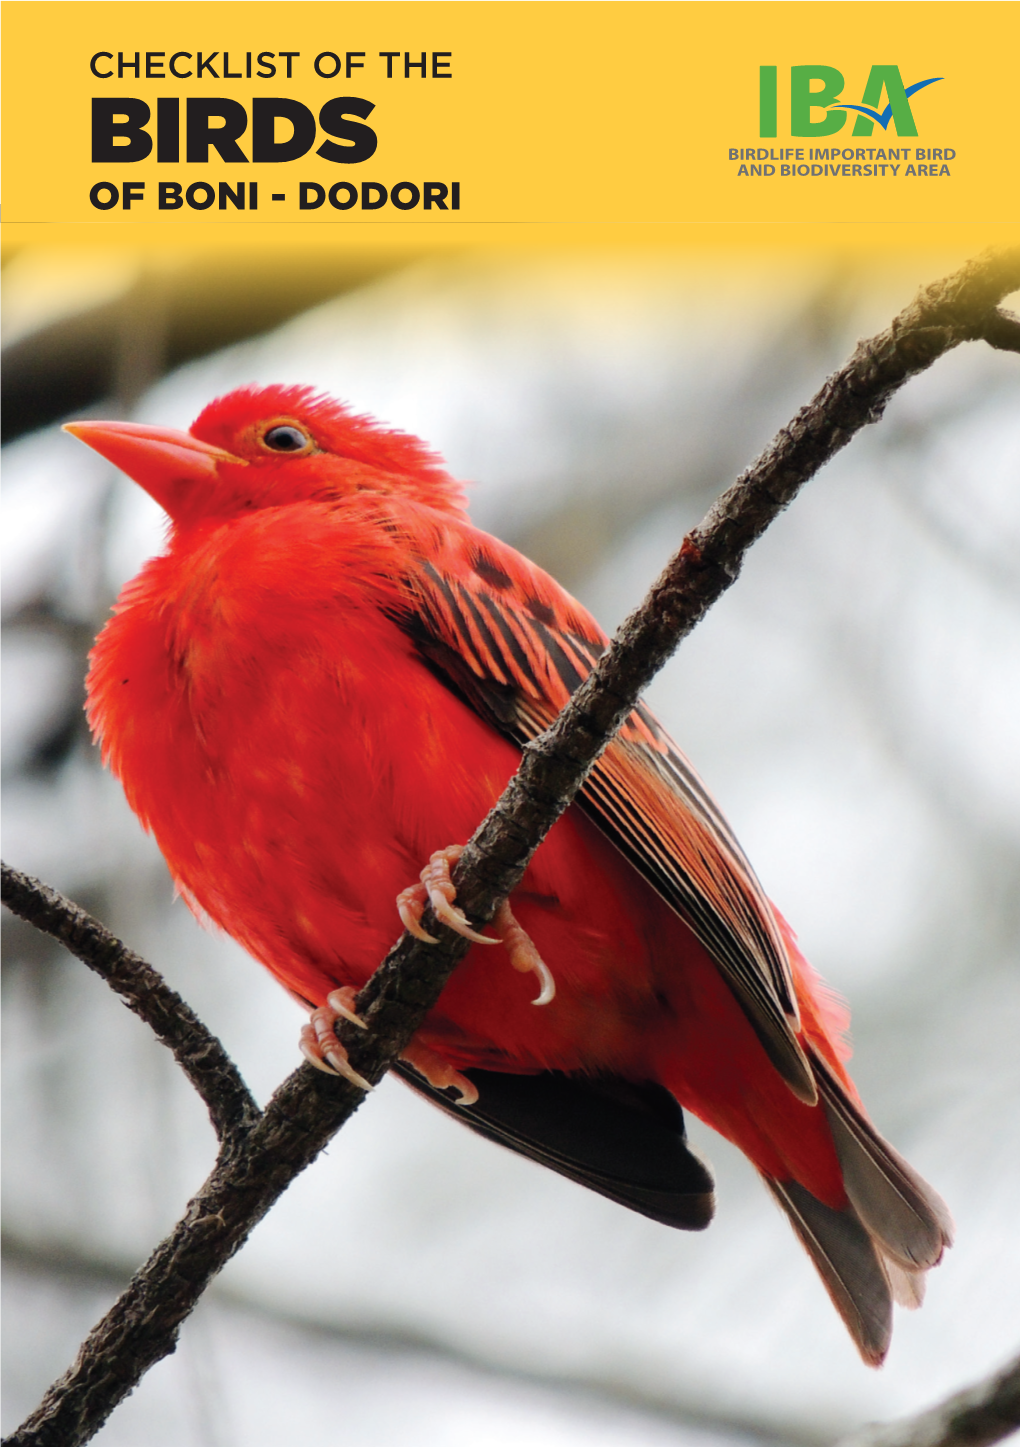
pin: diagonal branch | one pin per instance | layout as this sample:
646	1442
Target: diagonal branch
553	768
309	1108
197	1051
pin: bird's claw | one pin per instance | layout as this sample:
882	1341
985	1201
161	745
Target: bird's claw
523	954
321	1048
318	1042
437	889
438	1072
410	907
342	1002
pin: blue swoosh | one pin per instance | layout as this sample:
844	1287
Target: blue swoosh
920	84
883	119
885	116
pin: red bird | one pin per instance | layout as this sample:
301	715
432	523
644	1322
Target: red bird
327	677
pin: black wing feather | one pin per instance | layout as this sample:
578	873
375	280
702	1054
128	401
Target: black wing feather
624	1141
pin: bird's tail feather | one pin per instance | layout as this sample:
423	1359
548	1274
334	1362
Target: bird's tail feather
848	1263
909	1221
877	1249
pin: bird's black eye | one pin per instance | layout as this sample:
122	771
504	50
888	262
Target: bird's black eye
286	438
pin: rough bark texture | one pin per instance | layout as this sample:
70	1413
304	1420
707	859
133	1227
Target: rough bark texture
266	1152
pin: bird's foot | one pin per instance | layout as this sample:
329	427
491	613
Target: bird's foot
321	1048
523	955
438	1072
436	888
318	1041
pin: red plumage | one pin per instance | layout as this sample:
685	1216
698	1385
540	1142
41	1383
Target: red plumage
329	673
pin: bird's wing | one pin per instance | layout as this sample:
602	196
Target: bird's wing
622	1140
514	645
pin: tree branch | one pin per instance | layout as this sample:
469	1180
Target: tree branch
555	765
306	1111
1002	330
972	1418
197	1051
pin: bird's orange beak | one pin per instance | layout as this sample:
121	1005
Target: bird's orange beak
160	459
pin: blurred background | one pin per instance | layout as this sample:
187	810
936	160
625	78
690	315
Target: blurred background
853	703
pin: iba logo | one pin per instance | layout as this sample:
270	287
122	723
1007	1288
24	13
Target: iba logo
816	88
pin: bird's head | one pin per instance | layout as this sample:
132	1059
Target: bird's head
264	447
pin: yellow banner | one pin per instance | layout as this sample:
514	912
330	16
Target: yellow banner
441	118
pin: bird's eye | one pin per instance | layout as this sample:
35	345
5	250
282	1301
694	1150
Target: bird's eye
286	438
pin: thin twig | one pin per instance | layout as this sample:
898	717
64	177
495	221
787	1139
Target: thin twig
197	1051
972	1418
308	1108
